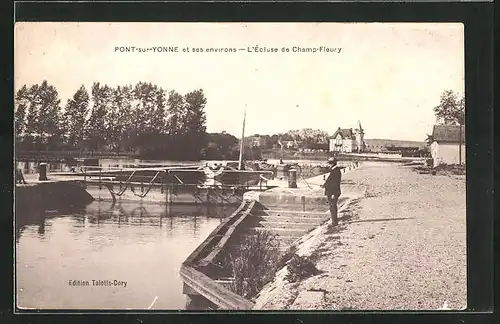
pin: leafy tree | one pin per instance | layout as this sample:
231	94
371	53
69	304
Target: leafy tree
122	103
195	122
95	129
144	96
273	142
111	122
175	113
31	127
429	139
42	127
139	118
21	106
74	118
160	113
451	109
220	146
149	115
50	115
286	137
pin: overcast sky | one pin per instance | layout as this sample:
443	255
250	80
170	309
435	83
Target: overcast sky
388	76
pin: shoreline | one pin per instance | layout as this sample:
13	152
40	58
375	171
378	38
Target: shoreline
400	245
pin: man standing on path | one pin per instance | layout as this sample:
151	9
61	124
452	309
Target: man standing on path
332	188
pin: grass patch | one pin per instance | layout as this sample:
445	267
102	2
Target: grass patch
455	169
300	268
442	169
254	263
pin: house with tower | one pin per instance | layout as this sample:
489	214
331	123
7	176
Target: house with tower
347	140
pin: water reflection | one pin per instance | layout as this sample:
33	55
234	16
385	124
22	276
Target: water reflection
126	214
142	244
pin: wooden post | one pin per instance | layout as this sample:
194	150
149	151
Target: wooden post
85	177
460	145
140	218
100	170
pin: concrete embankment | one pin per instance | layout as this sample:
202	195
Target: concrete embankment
287	213
50	195
401	246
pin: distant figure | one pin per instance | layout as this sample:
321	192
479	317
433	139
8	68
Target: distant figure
332	188
20	177
281	161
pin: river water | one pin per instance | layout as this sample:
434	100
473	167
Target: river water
143	246
58	252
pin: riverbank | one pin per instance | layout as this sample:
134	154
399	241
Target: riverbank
400	245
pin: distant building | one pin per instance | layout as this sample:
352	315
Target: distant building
348	140
448	143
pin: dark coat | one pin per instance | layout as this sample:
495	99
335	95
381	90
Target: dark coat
332	184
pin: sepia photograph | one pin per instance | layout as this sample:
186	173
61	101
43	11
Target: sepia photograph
239	166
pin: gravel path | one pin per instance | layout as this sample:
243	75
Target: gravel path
401	247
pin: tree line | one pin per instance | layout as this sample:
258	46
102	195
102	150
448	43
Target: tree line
144	119
304	138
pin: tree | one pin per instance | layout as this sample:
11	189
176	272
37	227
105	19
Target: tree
31	125
122	103
220	146
21	106
42	127
175	111
195	121
74	118
50	116
451	111
139	117
150	116
429	139
160	113
95	127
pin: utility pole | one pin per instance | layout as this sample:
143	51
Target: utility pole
460	123
460	144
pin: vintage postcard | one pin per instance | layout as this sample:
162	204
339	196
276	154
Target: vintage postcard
249	166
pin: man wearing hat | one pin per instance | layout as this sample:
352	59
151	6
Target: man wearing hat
332	188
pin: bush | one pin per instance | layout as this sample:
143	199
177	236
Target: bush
456	169
300	268
254	263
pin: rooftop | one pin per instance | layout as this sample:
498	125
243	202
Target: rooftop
445	133
346	133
